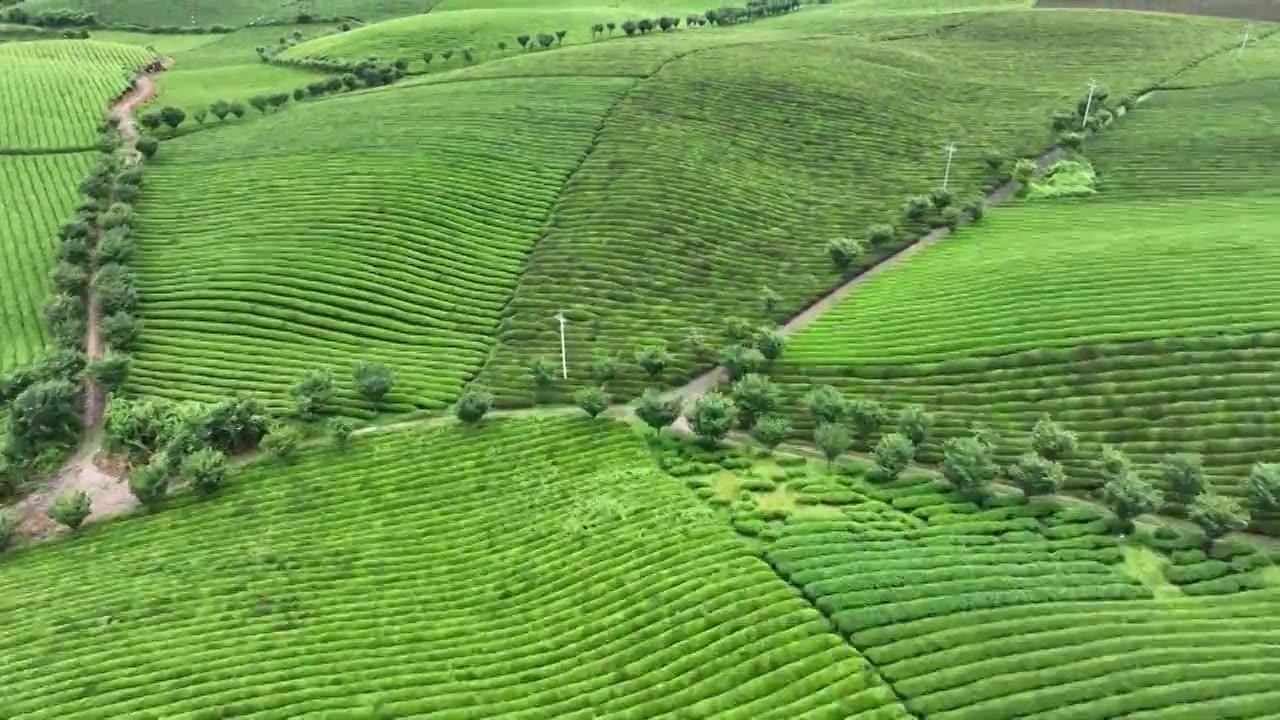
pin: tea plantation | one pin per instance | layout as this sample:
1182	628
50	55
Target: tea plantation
286	288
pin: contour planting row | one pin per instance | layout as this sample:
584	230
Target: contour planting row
56	91
712	181
259	261
1020	611
37	194
530	568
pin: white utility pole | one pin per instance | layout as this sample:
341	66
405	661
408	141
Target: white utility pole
946	175
1088	104
564	357
1243	42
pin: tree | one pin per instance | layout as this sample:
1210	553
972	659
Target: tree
349	81
712	417
278	99
824	404
844	252
205	470
738	330
771	430
645	25
968	465
147	146
8	528
69	279
472	405
200	115
629	27
597	29
656	411
1183	475
238	109
340	430
312	393
44	412
1129	496
70	509
1023	170
755	396
545	40
502	45
915	423
560	36
260	103
120	330
544	372
220	109
150	483
893	454
653	360
468	56
151	120
373	381
1051	441
770	343
109	371
832	439
611	27
1263	486
523	40
664	23
739	361
881	234
866	416
592	400
281	443
1217	515
426	57
770	299
1113	463
300	94
698	346
917	207
1036	476
604	366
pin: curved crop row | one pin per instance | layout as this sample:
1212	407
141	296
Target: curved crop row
37	192
1019	610
183	13
531	568
718	175
274	247
57	91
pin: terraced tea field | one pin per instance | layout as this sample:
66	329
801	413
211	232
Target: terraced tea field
1133	329
232	13
528	569
56	91
37	193
301	247
749	169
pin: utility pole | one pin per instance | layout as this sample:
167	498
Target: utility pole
946	175
1088	104
564	357
1244	41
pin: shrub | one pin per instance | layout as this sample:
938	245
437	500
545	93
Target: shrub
592	400
281	443
653	360
1217	515
1051	441
968	465
771	430
951	217
44	412
824	403
109	371
150	483
1263	486
340	430
312	393
916	423
866	416
70	509
940	199
1024	170
881	234
995	160
472	405
917	207
656	411
1035	475
738	361
844	252
712	417
1113	463
770	343
373	381
893	454
544	372
1129	496
832	439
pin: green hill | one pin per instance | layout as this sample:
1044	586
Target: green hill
233	13
389	226
1135	316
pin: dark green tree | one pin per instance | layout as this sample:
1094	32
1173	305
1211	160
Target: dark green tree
1263	486
653	360
893	454
1183	476
312	393
968	465
844	252
1129	496
867	417
824	404
71	509
147	146
1036	476
150	483
592	400
109	371
771	430
604	366
712	417
832	439
1051	441
755	396
473	405
916	423
373	381
1217	515
657	411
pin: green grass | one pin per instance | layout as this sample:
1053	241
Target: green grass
1260	60
234	13
1131	328
57	91
729	168
536	568
356	228
38	194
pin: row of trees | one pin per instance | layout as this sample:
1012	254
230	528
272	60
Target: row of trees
544	40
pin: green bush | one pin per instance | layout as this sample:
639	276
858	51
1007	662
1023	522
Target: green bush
206	470
70	509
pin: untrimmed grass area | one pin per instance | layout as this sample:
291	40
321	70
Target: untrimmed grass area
364	227
56	91
38	193
537	568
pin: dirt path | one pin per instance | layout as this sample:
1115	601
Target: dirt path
107	490
700	385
